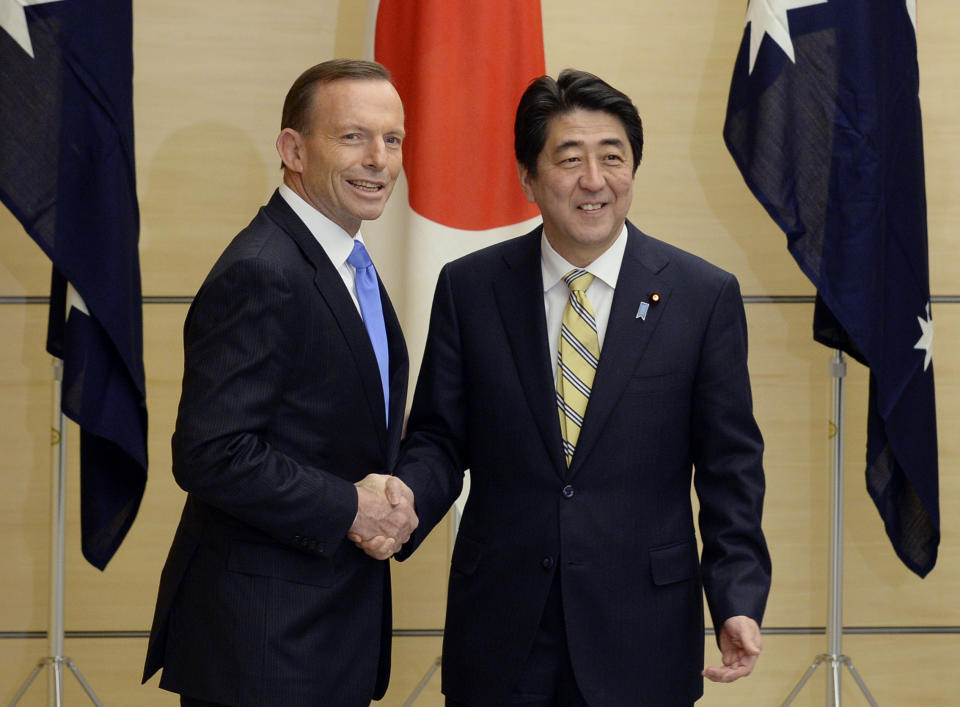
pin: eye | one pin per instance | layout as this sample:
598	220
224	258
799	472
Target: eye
393	140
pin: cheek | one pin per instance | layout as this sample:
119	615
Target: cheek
559	189
623	185
395	165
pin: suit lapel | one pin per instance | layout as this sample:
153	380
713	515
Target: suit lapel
626	337
399	373
519	295
328	281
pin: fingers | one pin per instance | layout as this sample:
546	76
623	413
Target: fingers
733	668
379	548
729	673
740	645
396	491
402	521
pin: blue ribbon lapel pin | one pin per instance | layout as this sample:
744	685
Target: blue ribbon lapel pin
645	306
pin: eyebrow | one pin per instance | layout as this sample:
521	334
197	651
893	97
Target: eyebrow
567	144
347	128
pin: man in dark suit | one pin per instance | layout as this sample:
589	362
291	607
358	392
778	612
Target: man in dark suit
294	388
575	576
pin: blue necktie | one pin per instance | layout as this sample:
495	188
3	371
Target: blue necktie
368	294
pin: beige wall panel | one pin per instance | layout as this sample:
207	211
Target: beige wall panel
792	394
24	268
420	583
122	597
412	658
25	459
17	658
111	666
909	670
792	404
938	22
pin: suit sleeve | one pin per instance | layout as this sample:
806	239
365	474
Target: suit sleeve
433	456
240	348
728	458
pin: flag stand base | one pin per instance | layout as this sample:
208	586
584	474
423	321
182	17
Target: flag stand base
56	660
834	659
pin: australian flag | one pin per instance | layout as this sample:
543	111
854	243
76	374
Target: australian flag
67	174
823	121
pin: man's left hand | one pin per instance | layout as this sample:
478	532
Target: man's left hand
740	646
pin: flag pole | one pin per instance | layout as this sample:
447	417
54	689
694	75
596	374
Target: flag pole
55	659
835	658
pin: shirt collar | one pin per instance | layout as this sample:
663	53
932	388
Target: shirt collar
606	267
336	243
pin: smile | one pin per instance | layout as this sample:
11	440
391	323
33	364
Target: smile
370	187
591	207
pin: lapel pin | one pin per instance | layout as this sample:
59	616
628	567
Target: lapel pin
645	306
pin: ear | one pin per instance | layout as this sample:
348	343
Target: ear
526	182
289	144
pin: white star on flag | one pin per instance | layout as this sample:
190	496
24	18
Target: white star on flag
13	18
770	17
926	338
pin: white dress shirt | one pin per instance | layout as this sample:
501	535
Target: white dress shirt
336	243
605	271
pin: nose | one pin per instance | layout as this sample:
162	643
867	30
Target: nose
375	155
591	179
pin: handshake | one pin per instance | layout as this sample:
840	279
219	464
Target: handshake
385	516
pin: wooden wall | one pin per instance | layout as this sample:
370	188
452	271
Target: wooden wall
209	82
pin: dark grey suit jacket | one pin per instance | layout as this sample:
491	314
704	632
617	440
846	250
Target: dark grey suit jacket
262	601
671	394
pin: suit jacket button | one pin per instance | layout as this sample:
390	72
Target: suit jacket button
567	491
547	562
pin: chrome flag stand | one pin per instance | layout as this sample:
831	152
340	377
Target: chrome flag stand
55	659
834	659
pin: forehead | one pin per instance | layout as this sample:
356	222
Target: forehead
586	127
357	101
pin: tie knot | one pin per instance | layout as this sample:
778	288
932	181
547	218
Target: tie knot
578	280
359	258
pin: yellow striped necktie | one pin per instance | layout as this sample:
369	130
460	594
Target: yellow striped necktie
577	362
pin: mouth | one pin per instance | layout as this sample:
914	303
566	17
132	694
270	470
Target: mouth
592	206
365	186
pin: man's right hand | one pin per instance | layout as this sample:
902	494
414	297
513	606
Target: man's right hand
385	515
